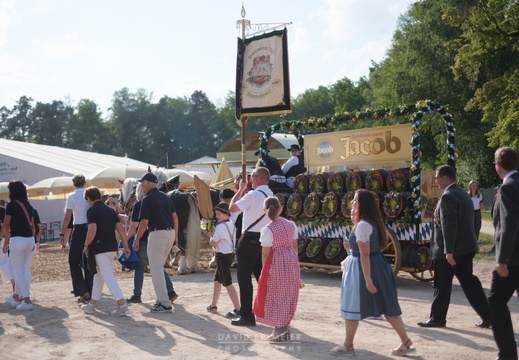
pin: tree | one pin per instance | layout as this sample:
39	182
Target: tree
49	122
87	131
166	130
419	66
312	103
347	96
131	113
487	53
16	123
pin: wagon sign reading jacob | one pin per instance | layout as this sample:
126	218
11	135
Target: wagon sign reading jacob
386	161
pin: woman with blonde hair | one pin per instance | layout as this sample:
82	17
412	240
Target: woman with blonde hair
368	284
477	201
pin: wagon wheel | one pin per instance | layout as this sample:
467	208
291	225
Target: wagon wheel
392	252
424	276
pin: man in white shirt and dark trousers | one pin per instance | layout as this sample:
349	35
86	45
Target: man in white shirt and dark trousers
82	279
249	248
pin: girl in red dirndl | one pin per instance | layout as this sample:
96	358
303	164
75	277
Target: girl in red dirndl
278	286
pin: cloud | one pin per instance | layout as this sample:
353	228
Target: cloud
8	19
69	46
349	21
299	39
361	57
335	15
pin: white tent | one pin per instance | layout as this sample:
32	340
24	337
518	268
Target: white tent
32	163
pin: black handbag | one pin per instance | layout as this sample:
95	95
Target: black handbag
91	258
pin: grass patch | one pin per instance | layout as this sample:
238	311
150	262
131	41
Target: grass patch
485	215
485	244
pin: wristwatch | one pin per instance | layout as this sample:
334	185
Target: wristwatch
61	234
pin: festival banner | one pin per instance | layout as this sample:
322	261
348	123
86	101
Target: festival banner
355	147
262	79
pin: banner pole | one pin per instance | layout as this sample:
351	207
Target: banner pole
243	118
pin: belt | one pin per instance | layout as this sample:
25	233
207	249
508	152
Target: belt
477	210
150	230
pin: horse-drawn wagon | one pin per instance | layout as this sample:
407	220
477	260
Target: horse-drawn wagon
380	159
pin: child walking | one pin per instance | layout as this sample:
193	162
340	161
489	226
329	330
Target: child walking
224	239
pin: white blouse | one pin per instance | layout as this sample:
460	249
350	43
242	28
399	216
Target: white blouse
363	231
267	238
476	200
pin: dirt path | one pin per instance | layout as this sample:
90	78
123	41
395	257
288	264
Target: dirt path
57	328
487	227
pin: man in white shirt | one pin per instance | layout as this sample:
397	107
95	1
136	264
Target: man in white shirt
249	248
82	279
294	166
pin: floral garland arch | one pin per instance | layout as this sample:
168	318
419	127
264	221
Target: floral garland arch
415	114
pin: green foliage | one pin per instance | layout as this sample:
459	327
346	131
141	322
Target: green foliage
486	56
457	52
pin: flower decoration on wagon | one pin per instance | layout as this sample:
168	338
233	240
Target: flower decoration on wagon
374	180
311	205
301	183
346	204
330	204
393	204
336	183
354	181
295	204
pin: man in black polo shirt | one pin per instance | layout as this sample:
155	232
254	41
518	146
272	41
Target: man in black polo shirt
159	217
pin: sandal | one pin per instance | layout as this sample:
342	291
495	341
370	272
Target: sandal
404	348
212	309
343	349
233	314
284	336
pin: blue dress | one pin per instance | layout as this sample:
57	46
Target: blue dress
357	302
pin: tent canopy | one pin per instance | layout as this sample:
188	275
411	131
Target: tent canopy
277	144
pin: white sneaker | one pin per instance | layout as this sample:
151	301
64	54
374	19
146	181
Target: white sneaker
14	303
88	309
24	306
120	311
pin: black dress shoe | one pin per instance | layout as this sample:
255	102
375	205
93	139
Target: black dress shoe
430	323
242	322
485	324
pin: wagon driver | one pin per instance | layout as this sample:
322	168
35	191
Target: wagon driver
294	166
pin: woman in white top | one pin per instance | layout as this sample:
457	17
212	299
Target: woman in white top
477	200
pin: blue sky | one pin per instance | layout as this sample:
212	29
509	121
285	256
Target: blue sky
69	49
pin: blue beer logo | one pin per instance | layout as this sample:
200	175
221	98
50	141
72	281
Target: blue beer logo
324	150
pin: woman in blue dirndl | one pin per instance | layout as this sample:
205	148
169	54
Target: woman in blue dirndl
368	284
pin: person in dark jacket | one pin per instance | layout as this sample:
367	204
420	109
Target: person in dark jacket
277	178
505	277
453	247
294	166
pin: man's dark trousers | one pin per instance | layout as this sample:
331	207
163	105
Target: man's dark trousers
443	274
249	262
501	290
76	258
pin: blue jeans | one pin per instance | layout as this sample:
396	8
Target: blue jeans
138	277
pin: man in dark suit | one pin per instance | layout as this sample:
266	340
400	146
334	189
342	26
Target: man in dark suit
453	247
505	277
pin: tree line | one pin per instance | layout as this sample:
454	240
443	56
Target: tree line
461	53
